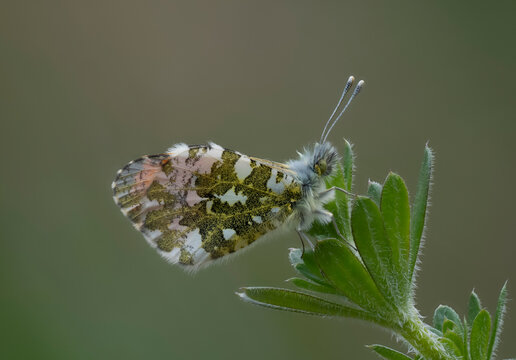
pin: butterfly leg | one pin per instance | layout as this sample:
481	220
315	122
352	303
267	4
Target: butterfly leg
330	215
341	190
302	242
303	237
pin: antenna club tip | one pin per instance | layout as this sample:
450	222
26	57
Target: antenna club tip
359	87
351	78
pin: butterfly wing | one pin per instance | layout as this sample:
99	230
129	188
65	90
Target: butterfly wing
195	204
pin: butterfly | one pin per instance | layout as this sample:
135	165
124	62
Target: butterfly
196	204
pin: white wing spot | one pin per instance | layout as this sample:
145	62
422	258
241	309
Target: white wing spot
257	219
243	168
209	204
193	240
278	188
287	180
231	197
215	152
228	233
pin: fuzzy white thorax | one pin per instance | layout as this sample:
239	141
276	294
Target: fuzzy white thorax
311	207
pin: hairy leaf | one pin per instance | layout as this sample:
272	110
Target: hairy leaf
479	340
395	209
283	299
474	307
374	248
445	312
419	208
305	264
450	346
374	191
343	269
312	286
347	165
388	353
498	321
448	325
457	340
465	340
342	199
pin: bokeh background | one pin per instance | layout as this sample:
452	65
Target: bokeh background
86	86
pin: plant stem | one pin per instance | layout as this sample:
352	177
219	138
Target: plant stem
417	334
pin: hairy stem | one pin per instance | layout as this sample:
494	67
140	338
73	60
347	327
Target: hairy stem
425	342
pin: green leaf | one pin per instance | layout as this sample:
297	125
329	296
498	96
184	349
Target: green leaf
347	165
465	339
498	321
474	307
456	338
395	208
479	340
343	269
311	286
417	223
450	346
445	312
439	333
374	191
325	231
288	300
374	247
388	353
342	199
305	264
448	325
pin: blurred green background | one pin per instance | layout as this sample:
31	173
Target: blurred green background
86	86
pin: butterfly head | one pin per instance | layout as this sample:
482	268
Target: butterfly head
314	164
324	159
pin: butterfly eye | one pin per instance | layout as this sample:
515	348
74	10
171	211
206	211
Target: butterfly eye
321	167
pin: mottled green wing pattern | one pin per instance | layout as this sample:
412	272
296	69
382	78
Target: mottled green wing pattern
195	204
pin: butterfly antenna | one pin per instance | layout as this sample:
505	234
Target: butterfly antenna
346	89
355	93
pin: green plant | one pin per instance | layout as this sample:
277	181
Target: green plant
370	274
